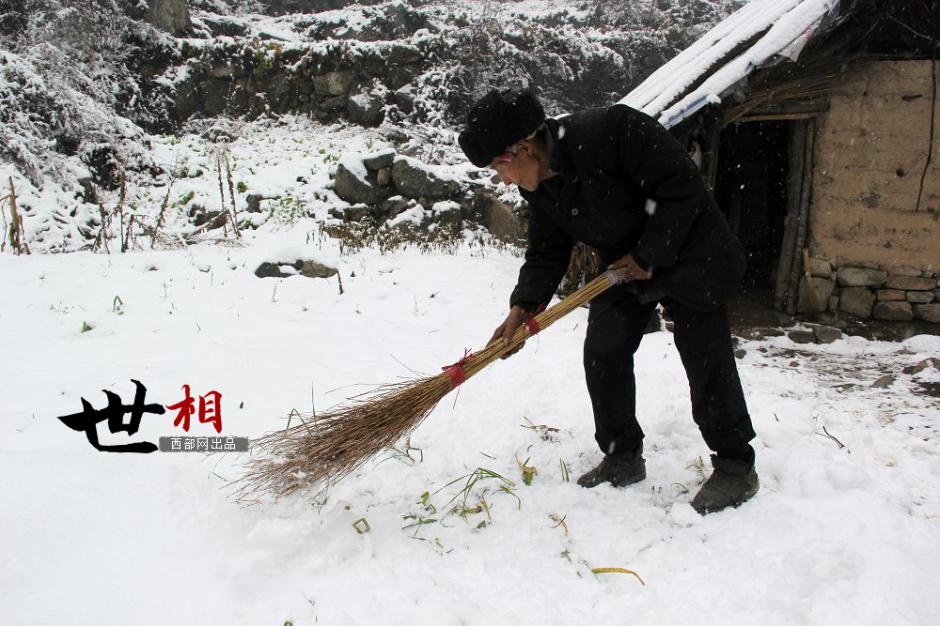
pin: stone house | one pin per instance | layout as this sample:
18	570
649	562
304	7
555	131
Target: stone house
815	123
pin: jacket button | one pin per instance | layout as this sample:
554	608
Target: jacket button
574	211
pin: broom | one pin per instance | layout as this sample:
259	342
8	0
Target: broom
344	438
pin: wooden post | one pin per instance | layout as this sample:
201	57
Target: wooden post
802	222
711	133
796	151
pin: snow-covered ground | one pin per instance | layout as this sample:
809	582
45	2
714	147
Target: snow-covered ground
836	534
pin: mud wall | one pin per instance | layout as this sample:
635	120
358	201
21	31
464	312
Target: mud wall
870	152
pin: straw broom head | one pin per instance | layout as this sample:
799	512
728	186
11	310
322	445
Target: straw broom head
342	439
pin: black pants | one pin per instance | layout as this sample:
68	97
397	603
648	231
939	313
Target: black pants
615	326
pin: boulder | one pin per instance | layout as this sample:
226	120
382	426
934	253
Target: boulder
825	334
919	297
857	301
310	269
883	382
861	277
801	335
927	312
893	311
905	270
366	109
823	288
383	177
446	212
414	179
911	283
332	83
920	366
761	332
354	213
405	98
820	267
496	216
380	159
352	182
393	206
171	16
890	295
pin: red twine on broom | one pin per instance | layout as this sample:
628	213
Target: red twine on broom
533	324
455	372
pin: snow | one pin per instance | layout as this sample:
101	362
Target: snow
836	535
666	94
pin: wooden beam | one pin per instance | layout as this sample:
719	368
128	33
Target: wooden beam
795	166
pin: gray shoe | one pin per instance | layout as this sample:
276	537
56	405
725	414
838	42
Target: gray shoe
732	483
617	469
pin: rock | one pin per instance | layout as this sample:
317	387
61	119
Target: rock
253	200
88	193
332	83
820	267
740	353
861	277
884	382
933	362
221	70
927	312
379	160
801	335
405	99
393	206
366	109
857	301
890	295
823	289
910	283
312	269
825	334
833	304
446	213
171	16
352	183
335	103
905	270
414	179
354	213
383	177
761	332
919	297
893	311
496	216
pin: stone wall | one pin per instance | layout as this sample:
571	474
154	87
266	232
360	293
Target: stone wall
870	152
893	293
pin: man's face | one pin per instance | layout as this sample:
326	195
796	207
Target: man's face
518	166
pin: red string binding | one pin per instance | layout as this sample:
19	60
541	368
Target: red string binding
455	372
532	324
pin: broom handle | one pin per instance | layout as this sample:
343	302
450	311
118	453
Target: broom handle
477	361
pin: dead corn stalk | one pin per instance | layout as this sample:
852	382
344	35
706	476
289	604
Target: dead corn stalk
337	442
15	232
221	156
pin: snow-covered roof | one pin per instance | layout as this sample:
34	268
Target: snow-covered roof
787	25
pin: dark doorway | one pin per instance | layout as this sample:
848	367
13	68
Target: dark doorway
751	189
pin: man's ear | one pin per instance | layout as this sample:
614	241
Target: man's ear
528	146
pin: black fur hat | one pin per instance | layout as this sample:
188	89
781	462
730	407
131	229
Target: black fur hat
497	121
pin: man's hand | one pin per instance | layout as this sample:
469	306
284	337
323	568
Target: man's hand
505	330
626	269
